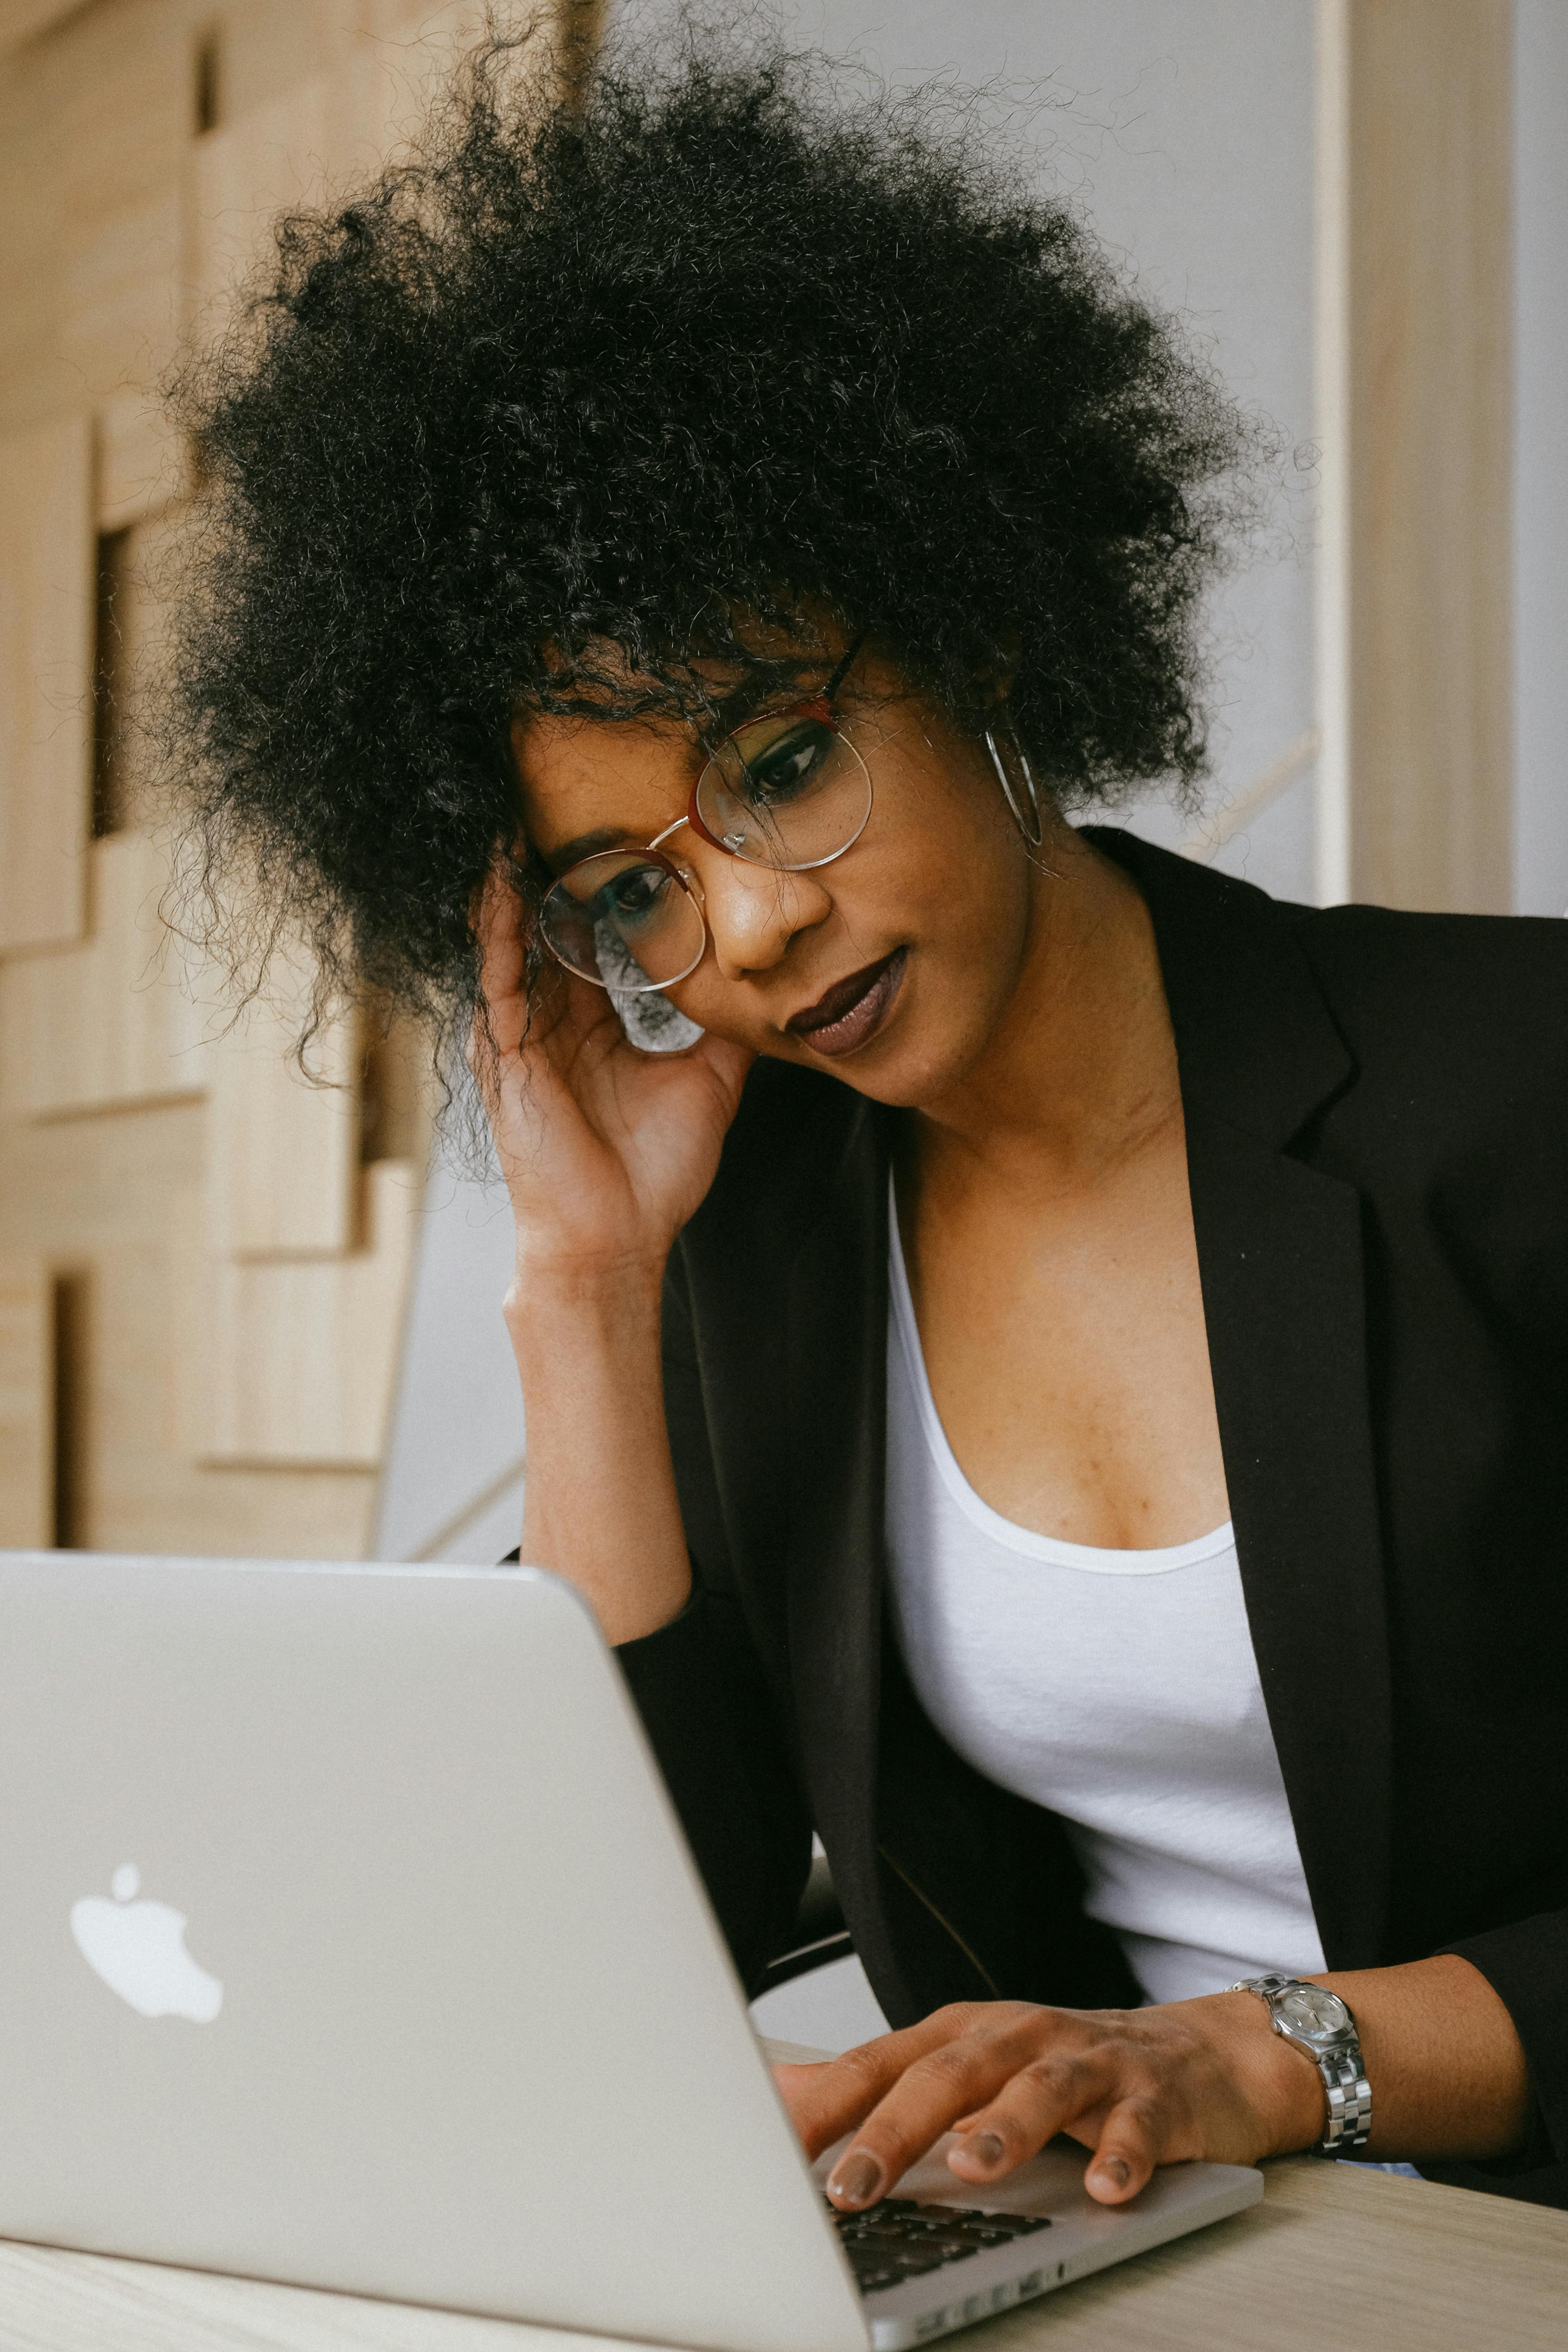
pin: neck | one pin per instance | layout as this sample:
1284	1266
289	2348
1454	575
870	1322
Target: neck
1080	1069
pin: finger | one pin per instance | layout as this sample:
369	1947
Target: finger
792	2082
926	2101
729	1063
1126	2154
501	930
844	2092
1046	2095
555	1015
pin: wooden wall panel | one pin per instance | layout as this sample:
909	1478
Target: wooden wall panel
141	461
48	597
399	64
27	1403
132	643
231	1246
302	1355
283	1165
114	1021
1414	334
118	1200
121	289
126	81
277	157
326	132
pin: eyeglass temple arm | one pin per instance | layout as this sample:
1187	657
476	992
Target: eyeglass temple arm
830	690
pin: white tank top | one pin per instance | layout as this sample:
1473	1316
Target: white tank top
1119	1688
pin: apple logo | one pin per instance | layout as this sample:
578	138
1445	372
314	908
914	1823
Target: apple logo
139	1950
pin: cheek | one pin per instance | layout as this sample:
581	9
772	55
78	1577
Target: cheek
720	1006
968	899
953	864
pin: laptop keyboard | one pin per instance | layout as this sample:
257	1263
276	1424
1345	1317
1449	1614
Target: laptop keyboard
899	2240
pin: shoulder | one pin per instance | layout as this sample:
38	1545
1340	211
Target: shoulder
1469	1011
1466	1013
1489	973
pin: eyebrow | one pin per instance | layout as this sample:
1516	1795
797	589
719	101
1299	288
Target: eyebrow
586	844
753	693
757	692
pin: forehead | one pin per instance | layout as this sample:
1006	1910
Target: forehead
592	784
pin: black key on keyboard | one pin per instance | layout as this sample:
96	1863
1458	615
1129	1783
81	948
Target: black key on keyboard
897	2239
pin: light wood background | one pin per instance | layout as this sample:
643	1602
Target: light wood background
203	1259
1416	373
204	1262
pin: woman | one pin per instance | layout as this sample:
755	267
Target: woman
1060	1389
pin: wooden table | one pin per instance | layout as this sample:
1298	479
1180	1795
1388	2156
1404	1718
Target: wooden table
1358	2262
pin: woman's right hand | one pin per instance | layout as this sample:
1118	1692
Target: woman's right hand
607	1151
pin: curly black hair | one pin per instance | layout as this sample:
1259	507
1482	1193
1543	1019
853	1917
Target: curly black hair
586	390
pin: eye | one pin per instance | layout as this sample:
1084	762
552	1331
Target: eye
634	896
791	763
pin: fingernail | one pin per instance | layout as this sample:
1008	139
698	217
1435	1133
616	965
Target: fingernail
1114	2170
986	2148
855	2179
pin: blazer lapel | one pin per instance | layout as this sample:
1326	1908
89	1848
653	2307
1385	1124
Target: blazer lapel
920	1865
1280	1250
1284	1284
837	1316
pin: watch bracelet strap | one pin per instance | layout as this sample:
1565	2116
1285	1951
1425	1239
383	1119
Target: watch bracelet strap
1349	2102
1344	2082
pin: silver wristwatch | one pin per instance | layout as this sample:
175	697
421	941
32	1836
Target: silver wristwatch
1320	2023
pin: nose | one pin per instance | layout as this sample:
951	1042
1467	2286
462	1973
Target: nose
754	911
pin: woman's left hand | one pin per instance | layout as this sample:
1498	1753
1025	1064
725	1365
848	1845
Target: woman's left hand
1140	2087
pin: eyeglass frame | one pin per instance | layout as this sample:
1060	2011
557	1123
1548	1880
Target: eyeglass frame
817	705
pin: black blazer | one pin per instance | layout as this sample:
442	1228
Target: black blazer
1377	1141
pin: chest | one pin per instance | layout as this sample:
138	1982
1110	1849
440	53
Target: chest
1065	1343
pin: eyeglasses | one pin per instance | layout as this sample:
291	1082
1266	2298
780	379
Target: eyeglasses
786	789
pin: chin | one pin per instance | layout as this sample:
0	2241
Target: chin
910	1063
903	1083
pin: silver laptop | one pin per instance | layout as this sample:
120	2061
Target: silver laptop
348	1939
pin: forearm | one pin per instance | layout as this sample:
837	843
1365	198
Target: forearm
1448	2075
601	1507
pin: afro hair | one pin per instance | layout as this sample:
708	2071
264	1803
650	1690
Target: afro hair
591	387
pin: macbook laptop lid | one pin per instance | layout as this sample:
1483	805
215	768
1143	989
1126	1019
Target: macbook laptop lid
348	1939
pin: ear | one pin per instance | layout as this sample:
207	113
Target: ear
994	677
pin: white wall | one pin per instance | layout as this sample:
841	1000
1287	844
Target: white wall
1183	129
451	1482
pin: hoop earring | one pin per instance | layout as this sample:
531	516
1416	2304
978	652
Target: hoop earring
1014	757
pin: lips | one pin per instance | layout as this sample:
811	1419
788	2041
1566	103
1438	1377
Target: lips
850	1012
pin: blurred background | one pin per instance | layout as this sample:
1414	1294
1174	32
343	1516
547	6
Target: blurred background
241	1314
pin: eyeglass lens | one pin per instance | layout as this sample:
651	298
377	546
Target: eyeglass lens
785	791
624	920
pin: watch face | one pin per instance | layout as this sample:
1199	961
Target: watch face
1307	2009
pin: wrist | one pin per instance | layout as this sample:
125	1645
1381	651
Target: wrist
616	1292
1284	2085
587	1343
